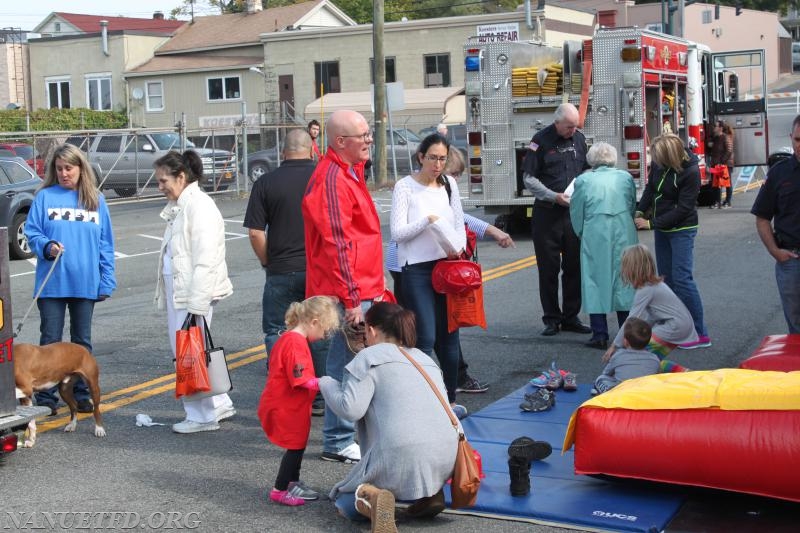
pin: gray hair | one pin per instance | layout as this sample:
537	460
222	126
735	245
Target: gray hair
563	110
600	154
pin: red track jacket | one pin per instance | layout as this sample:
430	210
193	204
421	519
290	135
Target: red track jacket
344	253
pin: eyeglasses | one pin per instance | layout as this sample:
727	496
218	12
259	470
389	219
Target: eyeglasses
366	137
434	159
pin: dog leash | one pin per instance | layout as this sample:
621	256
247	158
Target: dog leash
39	292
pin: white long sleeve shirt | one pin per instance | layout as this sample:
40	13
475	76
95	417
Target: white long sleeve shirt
411	205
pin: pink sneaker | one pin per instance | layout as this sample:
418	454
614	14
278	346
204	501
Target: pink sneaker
702	342
284	498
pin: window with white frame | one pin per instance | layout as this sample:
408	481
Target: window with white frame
154	91
224	88
58	93
98	92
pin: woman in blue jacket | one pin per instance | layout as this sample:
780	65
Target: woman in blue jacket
69	216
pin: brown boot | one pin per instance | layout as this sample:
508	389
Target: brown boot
427	507
378	505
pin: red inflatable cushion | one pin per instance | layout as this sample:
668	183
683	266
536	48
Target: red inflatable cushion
776	352
756	452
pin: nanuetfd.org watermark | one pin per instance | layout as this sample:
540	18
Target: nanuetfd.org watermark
93	520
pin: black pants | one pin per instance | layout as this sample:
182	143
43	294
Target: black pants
397	278
558	250
290	468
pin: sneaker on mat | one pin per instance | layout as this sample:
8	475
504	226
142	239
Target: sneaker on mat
298	489
284	498
349	455
460	411
703	341
472	385
538	401
570	382
544	378
556	380
224	412
190	426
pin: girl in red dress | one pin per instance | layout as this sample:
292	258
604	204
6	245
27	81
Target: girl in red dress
285	405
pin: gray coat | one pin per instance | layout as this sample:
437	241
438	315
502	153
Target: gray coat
408	444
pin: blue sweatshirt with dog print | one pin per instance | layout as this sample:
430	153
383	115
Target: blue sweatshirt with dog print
86	267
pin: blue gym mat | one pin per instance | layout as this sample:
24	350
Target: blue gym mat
558	497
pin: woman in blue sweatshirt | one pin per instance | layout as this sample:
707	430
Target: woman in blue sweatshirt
70	216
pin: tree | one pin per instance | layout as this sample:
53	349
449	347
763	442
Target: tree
361	10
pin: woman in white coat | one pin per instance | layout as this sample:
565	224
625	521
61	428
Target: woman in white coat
192	274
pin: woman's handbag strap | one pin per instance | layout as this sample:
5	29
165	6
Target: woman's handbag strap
453	419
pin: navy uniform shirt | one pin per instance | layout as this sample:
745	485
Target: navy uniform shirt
779	201
554	160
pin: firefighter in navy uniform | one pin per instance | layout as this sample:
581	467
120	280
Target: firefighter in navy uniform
556	156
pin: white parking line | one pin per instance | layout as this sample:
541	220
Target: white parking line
150	237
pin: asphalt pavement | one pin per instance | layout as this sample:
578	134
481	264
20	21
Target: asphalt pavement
222	477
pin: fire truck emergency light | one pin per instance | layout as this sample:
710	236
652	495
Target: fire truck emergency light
633	131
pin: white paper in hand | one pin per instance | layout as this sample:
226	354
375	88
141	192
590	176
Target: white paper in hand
570	188
445	236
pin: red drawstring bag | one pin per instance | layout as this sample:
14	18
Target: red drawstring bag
191	372
721	176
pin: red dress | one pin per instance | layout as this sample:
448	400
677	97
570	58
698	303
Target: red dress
285	407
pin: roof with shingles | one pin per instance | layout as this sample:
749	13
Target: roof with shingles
91	23
235	29
194	62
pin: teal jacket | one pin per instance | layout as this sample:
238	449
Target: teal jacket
601	210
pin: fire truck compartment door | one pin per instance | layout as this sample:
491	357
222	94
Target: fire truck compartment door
749	138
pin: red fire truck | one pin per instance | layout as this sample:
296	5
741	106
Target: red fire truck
629	85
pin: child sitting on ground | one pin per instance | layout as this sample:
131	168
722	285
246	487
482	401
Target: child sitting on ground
655	303
633	360
285	405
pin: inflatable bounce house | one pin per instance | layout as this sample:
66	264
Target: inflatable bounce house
731	429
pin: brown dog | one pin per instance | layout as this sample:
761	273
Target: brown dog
39	368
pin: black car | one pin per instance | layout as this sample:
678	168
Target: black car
18	184
261	162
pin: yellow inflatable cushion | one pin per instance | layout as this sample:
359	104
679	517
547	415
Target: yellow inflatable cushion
731	389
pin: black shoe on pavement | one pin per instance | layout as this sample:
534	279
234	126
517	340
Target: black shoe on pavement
600	344
550	330
472	385
318	407
575	326
85	406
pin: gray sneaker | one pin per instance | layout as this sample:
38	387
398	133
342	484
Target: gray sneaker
298	489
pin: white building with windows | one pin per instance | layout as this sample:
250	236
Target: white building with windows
79	60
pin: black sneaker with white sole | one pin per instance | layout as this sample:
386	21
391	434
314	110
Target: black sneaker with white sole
472	385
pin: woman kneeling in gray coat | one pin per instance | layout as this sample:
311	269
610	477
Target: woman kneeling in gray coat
408	444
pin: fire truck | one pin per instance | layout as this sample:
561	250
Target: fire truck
629	85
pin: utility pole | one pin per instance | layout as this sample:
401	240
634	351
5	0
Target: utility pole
379	64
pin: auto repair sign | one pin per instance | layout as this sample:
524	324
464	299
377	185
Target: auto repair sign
495	33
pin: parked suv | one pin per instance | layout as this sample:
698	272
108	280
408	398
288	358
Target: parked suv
124	162
18	184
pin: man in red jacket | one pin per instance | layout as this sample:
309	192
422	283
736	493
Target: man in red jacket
344	251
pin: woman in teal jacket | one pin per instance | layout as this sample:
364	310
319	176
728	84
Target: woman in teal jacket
601	209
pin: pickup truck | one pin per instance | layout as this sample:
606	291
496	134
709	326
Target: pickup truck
123	162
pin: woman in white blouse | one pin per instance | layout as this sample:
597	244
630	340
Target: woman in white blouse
419	202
